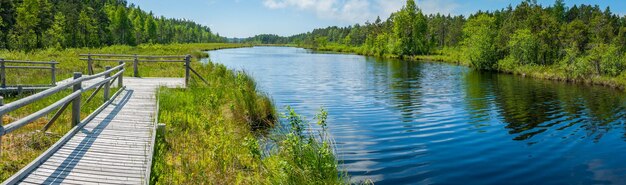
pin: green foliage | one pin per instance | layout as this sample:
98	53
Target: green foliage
575	33
479	43
34	24
27	21
607	60
321	41
303	157
54	36
524	47
87	30
409	31
121	25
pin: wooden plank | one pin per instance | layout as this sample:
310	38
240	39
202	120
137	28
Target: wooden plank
82	179
85	171
104	164
124	169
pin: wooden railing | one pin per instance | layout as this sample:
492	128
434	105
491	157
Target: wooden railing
27	65
74	98
136	59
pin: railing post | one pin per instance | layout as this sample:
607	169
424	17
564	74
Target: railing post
3	74
187	66
89	64
1	124
135	65
76	101
120	80
54	75
107	87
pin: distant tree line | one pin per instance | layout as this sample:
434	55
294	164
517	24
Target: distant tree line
33	24
582	40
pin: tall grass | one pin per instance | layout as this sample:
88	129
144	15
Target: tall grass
219	134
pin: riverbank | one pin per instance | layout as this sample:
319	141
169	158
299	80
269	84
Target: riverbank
224	118
456	56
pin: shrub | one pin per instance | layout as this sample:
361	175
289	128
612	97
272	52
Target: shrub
524	47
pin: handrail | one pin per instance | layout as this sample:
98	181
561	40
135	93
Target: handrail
106	80
74	98
90	77
28	62
32	117
132	56
28	100
3	67
27	67
136	59
115	60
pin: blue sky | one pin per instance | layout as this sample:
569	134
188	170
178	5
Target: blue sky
245	18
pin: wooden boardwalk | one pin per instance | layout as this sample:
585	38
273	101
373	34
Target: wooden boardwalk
114	148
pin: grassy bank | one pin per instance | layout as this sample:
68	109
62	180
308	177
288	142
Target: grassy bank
555	71
222	134
213	131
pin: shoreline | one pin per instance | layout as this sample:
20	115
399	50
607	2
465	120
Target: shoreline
537	72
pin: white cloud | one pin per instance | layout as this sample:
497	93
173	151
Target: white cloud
389	6
438	6
344	10
359	11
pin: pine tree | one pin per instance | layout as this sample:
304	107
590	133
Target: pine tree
55	37
45	21
23	35
410	29
121	27
138	25
150	29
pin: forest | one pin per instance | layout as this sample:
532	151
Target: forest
577	42
35	24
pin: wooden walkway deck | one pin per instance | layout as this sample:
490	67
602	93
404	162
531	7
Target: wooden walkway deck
113	148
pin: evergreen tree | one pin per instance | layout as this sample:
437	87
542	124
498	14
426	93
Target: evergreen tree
23	35
54	36
151	29
88	33
559	10
121	27
410	29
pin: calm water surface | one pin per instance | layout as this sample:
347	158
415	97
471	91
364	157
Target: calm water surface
398	122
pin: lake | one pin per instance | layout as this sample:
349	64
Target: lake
402	122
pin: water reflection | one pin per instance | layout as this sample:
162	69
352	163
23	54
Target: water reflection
399	122
531	107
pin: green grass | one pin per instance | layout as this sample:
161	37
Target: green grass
217	133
